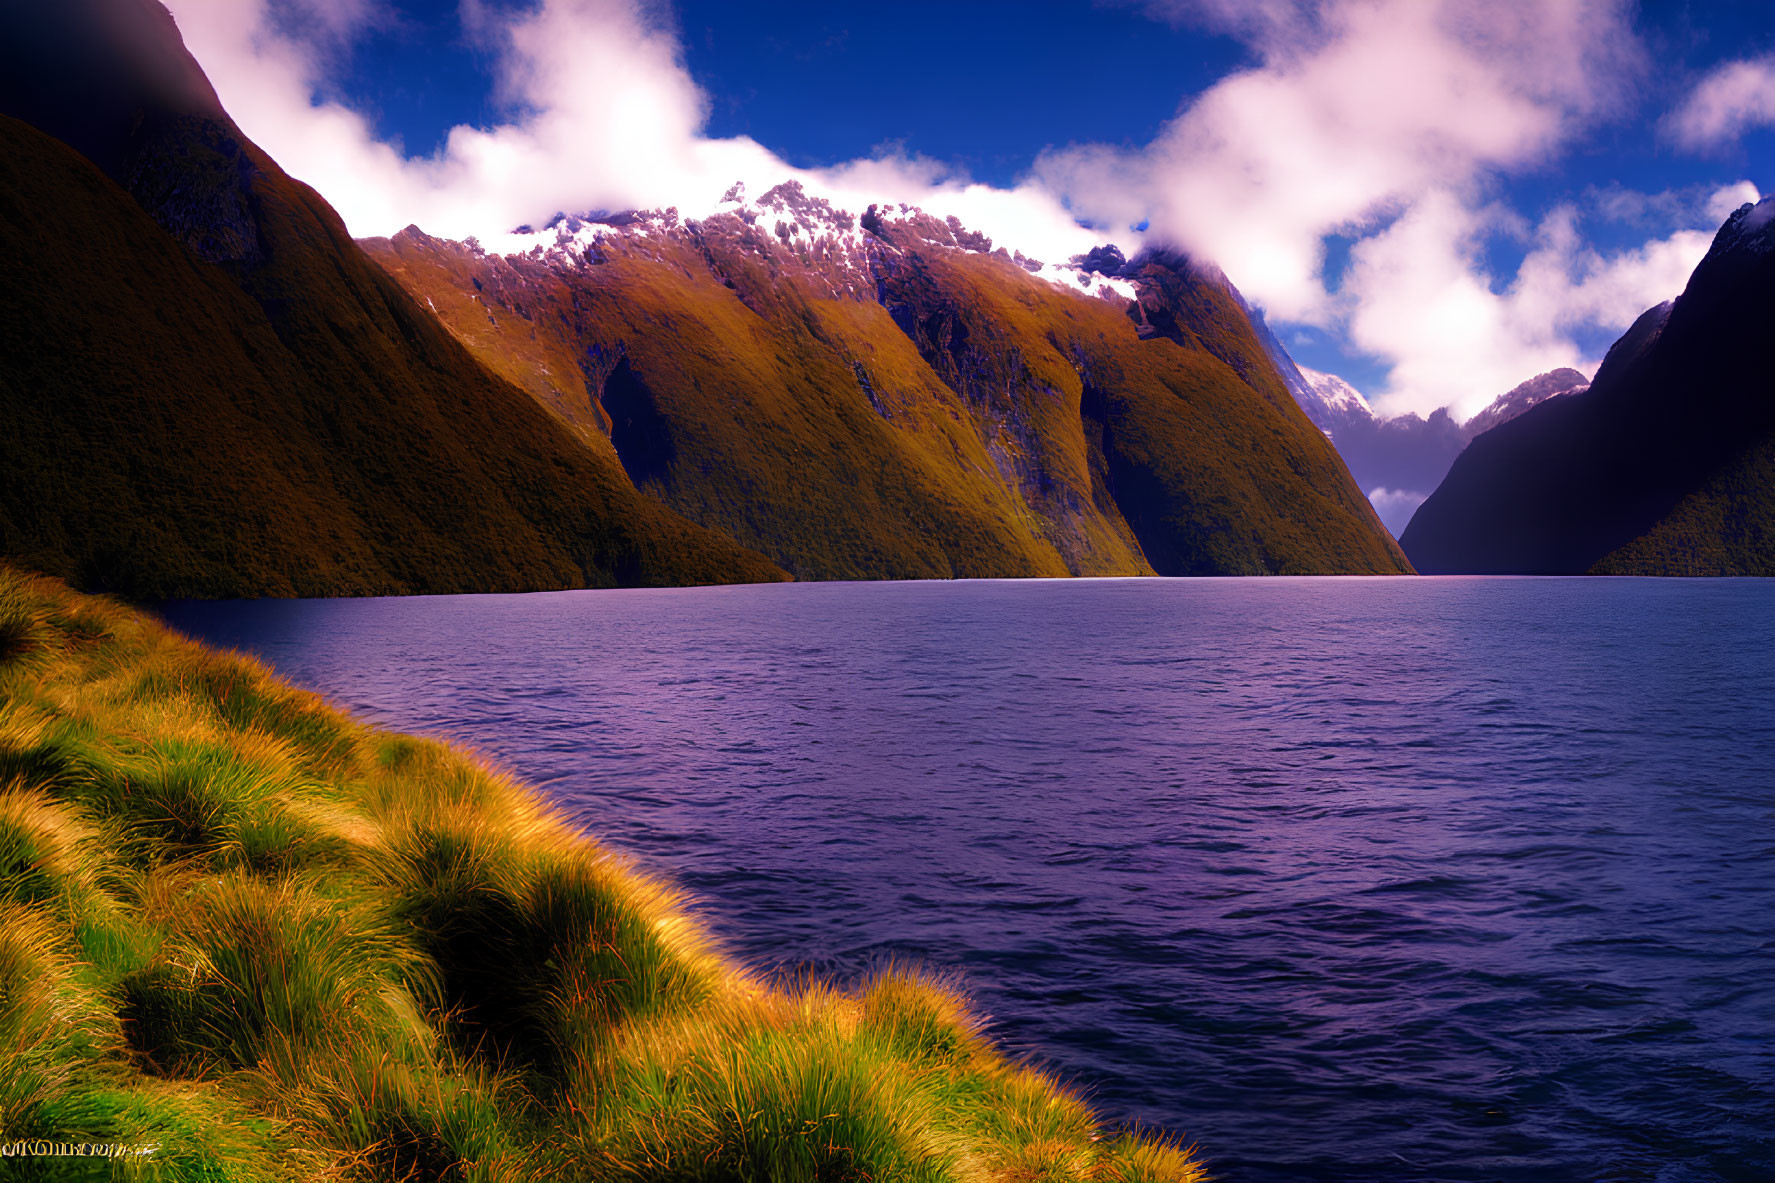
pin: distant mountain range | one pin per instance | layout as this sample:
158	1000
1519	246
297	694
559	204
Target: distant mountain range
1664	466
1399	459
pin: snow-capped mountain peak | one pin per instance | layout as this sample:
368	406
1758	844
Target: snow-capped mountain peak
812	229
1750	228
1335	393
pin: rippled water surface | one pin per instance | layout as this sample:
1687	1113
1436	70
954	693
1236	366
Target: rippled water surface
1427	879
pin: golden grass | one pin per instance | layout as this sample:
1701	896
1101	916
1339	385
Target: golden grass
281	944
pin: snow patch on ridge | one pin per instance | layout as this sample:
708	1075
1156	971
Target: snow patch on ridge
1748	230
1090	284
786	215
1335	393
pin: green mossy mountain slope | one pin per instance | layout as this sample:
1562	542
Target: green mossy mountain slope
277	944
756	424
167	437
210	390
897	405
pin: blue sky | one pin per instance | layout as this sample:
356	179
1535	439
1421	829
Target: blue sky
998	92
823	83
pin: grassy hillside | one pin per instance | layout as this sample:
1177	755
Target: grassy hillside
280	944
908	409
1189	436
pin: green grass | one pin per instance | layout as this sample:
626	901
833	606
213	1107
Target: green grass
280	944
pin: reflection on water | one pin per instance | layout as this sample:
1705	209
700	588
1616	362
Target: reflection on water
1344	879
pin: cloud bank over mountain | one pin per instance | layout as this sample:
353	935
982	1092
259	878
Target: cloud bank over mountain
1385	122
601	114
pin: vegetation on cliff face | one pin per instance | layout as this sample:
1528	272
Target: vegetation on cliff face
801	424
280	944
1725	527
208	389
212	391
895	405
298	426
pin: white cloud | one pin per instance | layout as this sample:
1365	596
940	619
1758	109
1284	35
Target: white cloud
1255	20
1692	205
1419	294
603	115
1734	98
1351	117
331	23
1725	200
1388	121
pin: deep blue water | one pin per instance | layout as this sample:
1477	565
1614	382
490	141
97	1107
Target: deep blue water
1412	879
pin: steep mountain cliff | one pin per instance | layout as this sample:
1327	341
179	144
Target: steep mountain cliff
882	394
208	389
1664	466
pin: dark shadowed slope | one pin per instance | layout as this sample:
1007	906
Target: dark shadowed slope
885	396
1663	466
210	390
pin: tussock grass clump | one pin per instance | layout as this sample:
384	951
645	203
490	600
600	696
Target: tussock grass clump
543	951
278	944
251	970
23	635
768	1091
50	1019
